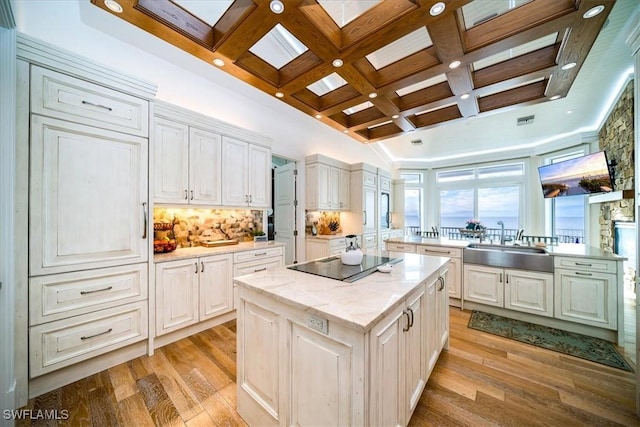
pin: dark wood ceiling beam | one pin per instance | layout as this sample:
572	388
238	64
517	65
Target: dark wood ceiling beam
524	64
576	47
434	117
380	132
257	66
424	96
298	67
514	82
513	96
377	17
231	19
178	19
321	20
412	64
516	21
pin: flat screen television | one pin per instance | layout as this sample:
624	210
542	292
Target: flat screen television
583	175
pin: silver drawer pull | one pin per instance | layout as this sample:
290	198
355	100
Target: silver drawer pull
260	269
583	264
579	273
97	105
436	252
260	254
97	335
96	290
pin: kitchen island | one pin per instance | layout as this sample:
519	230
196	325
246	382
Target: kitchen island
313	350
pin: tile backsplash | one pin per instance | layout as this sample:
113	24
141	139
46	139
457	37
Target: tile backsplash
322	219
191	226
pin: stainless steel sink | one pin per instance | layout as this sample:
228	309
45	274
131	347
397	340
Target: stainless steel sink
518	257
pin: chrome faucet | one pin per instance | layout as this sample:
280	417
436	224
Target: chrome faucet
501	224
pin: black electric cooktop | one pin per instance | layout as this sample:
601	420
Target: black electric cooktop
333	268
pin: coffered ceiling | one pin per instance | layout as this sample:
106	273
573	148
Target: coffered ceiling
376	69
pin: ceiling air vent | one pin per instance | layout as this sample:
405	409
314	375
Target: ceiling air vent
416	142
525	120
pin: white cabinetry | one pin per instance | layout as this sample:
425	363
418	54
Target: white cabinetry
401	247
187	164
454	278
319	248
82	153
246	169
586	291
192	290
248	262
520	290
362	219
327	184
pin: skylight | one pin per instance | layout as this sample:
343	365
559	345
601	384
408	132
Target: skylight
344	11
357	108
278	47
479	11
516	51
327	84
208	11
401	48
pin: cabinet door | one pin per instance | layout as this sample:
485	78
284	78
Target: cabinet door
259	176
369	211
315	249
415	351
344	190
334	188
387	379
88	197
215	286
433	334
585	297
454	278
484	285
529	292
442	310
323	190
205	172
311	187
321	368
176	295
235	161
170	161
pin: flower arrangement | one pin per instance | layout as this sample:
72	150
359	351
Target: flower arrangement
474	224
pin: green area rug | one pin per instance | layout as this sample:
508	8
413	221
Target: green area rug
589	348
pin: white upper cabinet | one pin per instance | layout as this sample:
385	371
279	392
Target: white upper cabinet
98	173
199	160
328	184
246	169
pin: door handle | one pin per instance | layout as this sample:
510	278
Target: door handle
201	267
145	214
411	320
186	194
406	313
196	263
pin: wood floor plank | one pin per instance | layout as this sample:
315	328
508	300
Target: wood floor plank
162	410
482	380
183	399
75	400
134	412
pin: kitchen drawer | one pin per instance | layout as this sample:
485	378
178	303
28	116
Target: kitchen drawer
401	247
439	251
257	265
58	296
586	264
256	254
64	342
336	245
58	95
369	179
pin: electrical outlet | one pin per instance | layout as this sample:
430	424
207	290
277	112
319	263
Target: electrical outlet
318	323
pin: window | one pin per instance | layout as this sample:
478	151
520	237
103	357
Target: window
413	199
489	193
568	213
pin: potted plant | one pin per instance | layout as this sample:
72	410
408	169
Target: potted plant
258	236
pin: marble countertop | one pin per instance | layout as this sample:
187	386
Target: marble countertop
358	305
198	251
566	249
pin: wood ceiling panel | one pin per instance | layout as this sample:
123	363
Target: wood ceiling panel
505	85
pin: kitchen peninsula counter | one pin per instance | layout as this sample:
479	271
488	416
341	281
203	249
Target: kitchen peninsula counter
319	351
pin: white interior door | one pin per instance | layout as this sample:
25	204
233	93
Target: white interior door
284	221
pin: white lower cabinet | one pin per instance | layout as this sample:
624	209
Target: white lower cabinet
257	260
454	275
294	374
319	248
192	290
526	291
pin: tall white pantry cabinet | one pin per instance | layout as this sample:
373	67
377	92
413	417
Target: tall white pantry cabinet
83	159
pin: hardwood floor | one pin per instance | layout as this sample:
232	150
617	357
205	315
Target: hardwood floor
482	380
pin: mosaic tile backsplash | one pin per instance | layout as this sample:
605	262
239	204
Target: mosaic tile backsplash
191	226
322	220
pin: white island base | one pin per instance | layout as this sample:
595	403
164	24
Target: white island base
317	351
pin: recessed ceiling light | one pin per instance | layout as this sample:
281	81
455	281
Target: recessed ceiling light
318	116
346	131
113	5
568	66
373	95
455	64
464	96
337	62
437	9
279	95
554	97
395	116
569	111
219	62
276	6
593	11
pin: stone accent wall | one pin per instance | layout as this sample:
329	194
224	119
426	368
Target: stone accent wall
616	138
193	225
